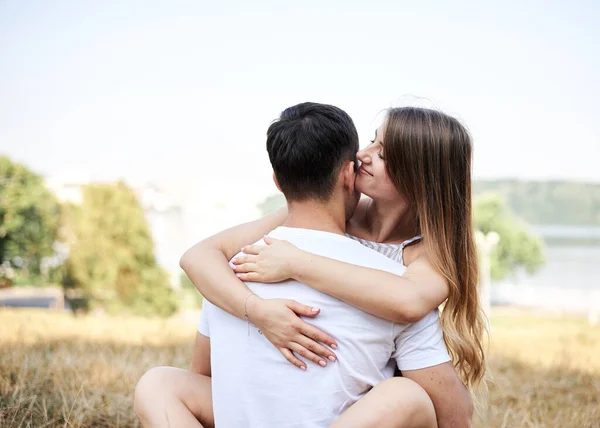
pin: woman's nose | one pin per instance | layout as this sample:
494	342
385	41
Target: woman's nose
363	156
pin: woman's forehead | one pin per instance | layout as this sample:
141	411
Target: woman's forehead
379	132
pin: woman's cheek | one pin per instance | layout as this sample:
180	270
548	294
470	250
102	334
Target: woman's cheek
360	185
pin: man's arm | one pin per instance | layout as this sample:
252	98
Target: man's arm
201	355
422	356
451	400
197	392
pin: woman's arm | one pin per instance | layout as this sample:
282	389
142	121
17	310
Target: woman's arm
207	263
403	299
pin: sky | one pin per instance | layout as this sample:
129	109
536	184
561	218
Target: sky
183	91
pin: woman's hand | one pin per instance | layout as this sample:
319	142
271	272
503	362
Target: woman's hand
279	322
266	263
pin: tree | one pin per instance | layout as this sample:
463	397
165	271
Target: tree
29	218
111	257
548	202
516	246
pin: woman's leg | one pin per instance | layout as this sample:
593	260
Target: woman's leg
394	403
171	397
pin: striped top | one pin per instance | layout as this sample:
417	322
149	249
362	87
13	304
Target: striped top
391	251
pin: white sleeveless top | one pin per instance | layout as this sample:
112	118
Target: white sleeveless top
391	251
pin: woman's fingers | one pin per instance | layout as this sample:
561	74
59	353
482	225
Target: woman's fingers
292	358
253	249
303	352
248	277
268	240
316	348
308	330
300	309
244	258
245	268
317	335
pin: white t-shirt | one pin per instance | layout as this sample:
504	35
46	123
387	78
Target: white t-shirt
253	385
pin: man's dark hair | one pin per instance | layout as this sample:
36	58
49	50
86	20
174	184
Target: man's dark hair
307	147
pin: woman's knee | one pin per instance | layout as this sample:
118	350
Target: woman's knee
149	390
393	403
409	400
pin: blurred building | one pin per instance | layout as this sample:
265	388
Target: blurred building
165	218
180	216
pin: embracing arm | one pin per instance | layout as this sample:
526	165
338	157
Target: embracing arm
403	299
207	262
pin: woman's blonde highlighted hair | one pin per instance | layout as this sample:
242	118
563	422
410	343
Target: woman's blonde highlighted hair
428	157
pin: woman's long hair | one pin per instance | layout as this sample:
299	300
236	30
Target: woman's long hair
428	158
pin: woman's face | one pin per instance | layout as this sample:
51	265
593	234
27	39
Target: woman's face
372	178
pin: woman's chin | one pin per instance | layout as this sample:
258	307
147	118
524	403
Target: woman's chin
361	189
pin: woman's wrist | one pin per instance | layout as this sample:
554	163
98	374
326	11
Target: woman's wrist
252	307
299	265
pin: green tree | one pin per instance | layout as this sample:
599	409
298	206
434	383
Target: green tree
29	218
111	258
517	247
548	202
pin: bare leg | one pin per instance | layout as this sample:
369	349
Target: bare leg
394	403
171	397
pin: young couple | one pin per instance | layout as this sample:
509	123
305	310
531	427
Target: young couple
351	285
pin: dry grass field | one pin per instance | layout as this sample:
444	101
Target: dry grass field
57	370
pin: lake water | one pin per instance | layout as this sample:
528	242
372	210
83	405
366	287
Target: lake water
569	280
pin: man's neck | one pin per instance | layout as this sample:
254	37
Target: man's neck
316	215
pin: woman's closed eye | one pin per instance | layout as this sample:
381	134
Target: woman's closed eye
380	154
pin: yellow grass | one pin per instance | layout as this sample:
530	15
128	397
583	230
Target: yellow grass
57	370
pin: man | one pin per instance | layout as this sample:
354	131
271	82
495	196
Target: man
312	149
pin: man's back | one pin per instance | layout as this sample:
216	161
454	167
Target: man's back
254	386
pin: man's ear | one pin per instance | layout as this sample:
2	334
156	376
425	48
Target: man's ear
349	176
276	182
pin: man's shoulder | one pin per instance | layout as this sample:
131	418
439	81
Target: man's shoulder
337	247
369	257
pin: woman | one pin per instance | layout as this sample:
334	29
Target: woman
417	177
